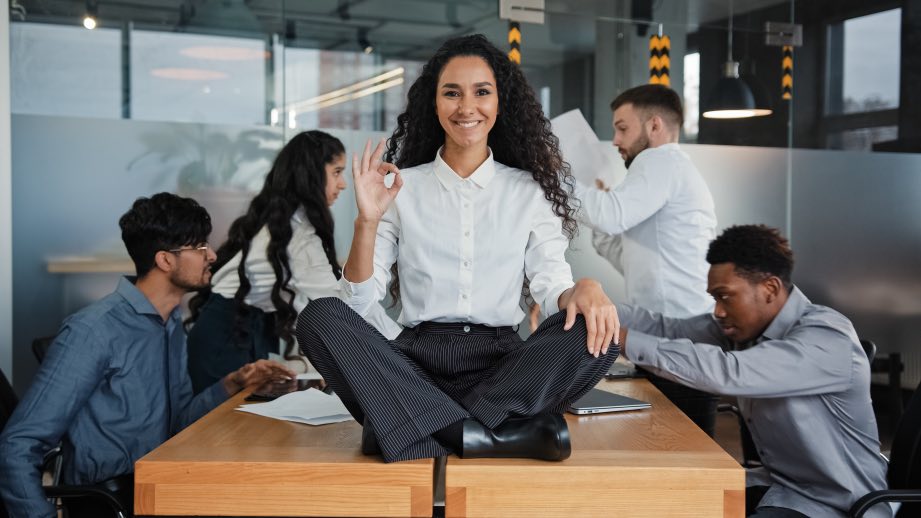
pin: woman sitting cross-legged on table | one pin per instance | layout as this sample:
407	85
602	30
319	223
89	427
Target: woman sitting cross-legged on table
477	209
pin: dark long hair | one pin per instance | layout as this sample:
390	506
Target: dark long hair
520	138
297	179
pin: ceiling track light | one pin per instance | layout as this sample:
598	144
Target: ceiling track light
363	42
92	12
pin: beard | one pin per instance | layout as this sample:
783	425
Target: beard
185	282
641	144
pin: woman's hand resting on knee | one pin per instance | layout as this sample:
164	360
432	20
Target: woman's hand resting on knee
587	298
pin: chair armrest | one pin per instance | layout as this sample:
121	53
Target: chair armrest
867	501
99	493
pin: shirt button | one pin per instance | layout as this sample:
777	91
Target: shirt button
467	233
464	296
466	263
466	329
466	205
640	358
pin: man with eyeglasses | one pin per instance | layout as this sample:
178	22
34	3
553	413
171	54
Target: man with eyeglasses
114	384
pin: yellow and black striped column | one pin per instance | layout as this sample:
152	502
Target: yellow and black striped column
514	42
659	60
786	81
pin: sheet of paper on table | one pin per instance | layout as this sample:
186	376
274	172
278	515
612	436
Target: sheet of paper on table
309	406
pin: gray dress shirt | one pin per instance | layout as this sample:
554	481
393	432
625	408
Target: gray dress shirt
803	389
113	386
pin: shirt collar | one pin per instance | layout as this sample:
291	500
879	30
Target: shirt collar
450	180
789	314
138	301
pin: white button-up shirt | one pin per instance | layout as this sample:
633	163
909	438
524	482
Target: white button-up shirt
464	246
655	227
311	274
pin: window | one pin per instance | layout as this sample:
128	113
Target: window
691	95
863	73
862	78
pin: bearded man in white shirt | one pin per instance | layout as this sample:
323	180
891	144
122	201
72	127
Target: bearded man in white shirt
655	226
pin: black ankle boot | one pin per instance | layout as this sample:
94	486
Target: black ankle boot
544	437
369	444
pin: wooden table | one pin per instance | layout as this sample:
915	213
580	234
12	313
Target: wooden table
652	463
237	464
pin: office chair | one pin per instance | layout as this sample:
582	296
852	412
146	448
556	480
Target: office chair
52	463
750	457
904	473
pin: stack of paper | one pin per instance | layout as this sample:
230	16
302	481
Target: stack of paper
307	406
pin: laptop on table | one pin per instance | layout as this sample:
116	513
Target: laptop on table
598	401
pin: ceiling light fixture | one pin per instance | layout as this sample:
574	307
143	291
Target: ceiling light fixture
351	92
89	18
732	98
363	42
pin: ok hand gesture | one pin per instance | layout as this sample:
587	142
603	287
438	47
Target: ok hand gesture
371	194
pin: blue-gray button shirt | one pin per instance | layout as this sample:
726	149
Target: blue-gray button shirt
114	385
803	389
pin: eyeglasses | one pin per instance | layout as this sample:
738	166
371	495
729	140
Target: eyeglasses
203	249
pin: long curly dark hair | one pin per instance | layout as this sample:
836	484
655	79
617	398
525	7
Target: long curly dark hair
520	138
297	179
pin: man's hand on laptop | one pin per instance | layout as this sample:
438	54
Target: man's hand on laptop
257	373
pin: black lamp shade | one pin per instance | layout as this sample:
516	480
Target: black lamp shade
731	95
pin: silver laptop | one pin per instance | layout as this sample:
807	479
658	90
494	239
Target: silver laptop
598	401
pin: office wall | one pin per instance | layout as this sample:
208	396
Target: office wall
6	225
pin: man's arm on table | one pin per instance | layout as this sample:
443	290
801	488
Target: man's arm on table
807	361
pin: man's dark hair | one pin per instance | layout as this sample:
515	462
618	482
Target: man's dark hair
657	99
757	251
162	222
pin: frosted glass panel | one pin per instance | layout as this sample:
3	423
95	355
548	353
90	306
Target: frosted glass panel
65	70
197	78
857	237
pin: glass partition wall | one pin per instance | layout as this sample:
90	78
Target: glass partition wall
196	97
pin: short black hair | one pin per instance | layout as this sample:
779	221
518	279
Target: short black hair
162	222
757	251
656	98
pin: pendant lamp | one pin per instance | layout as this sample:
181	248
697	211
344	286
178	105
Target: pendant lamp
732	98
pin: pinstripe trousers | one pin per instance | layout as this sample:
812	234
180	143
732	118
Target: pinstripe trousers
433	375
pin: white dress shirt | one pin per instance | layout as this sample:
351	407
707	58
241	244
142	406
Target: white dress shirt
655	227
464	246
311	274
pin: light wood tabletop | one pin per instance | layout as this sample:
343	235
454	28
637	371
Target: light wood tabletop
233	463
652	462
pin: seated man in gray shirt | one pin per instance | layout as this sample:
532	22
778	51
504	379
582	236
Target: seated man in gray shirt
115	383
801	377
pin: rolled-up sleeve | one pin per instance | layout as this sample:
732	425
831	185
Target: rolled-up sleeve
545	259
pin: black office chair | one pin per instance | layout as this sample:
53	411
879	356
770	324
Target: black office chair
750	457
904	473
52	463
40	347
